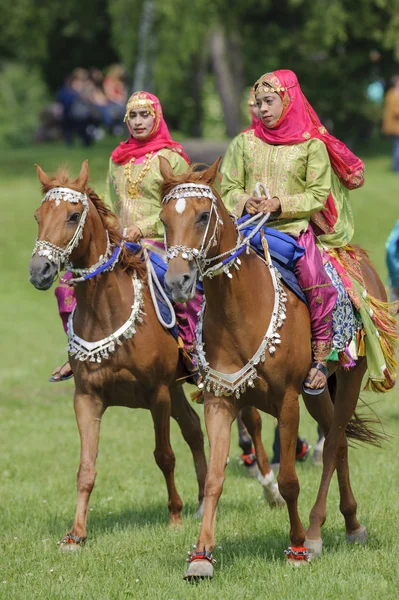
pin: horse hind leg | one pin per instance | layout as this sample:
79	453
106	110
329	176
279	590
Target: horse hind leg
164	457
190	426
253	422
245	442
333	420
88	411
348	389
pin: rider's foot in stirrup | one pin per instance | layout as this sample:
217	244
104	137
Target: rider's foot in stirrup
316	379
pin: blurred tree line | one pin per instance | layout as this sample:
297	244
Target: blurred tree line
188	50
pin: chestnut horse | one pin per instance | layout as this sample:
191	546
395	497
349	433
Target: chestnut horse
202	239
138	369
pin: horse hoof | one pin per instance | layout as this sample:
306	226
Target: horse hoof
252	470
360	536
199	570
175	523
297	556
317	458
69	547
71	543
315	548
270	490
200	511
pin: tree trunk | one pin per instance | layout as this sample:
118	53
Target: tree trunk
142	76
199	63
229	89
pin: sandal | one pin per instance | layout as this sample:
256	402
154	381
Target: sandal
59	376
315	391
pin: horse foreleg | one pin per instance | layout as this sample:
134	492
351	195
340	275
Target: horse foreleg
190	426
322	410
163	453
288	422
219	415
88	411
253	422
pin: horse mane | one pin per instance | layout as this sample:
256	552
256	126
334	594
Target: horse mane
129	261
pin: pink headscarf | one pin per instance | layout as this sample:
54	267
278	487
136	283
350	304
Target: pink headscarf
158	139
299	122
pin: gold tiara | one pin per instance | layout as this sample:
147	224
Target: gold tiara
137	101
264	87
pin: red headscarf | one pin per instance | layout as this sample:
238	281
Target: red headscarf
158	138
299	122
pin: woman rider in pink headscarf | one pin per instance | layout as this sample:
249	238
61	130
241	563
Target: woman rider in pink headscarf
292	154
132	190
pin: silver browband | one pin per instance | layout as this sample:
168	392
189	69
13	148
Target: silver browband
190	190
66	194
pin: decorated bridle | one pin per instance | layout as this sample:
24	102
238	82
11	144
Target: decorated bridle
60	256
55	254
225	260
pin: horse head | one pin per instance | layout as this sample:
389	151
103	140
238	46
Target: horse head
61	218
193	215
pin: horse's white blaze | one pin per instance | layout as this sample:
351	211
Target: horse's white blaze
180	205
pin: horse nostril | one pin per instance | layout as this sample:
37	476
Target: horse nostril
186	278
46	268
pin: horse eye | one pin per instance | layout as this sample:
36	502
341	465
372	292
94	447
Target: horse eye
74	218
203	218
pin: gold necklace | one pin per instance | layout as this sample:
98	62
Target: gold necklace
133	184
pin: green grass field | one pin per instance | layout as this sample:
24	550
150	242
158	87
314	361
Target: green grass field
130	552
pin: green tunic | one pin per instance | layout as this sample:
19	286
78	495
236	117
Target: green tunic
144	210
299	175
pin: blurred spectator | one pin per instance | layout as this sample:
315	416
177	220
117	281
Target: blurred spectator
86	106
392	260
74	97
115	90
390	122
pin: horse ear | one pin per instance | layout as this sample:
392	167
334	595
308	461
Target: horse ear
165	168
210	174
44	179
83	176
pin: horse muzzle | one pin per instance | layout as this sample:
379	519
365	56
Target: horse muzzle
181	287
42	272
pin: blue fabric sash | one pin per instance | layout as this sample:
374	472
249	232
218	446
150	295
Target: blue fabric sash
284	251
282	247
392	256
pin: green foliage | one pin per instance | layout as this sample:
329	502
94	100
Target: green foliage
329	43
22	97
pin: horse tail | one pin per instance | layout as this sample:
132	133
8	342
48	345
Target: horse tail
366	429
362	428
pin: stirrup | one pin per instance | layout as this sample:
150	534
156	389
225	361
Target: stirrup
315	392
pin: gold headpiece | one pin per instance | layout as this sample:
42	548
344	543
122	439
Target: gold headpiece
139	100
251	98
268	83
